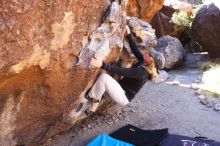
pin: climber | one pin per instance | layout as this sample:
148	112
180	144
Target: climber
123	91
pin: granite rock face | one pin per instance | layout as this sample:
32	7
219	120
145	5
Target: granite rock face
42	69
205	27
45	50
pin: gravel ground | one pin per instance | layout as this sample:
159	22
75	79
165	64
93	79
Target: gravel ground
172	105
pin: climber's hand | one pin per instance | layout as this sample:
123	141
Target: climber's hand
96	63
127	30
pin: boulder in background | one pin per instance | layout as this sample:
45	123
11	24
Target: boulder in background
172	50
44	71
205	27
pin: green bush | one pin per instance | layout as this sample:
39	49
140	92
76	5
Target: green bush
183	18
211	65
207	66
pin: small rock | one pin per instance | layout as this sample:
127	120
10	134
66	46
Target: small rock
128	121
124	111
217	107
209	105
85	128
200	78
194	86
198	92
116	120
201	97
176	83
197	81
89	126
204	101
110	123
162	76
95	121
132	110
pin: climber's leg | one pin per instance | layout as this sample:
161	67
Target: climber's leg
105	83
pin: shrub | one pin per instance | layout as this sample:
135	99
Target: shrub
182	18
185	19
210	65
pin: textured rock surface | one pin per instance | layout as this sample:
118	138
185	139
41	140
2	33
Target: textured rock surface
161	22
144	9
205	27
172	50
144	37
177	5
45	49
40	41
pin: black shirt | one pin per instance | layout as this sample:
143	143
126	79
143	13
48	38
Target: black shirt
134	77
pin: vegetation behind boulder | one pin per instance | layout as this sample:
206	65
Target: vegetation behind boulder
185	20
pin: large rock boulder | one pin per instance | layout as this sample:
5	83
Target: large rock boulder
162	22
45	50
143	9
172	50
205	27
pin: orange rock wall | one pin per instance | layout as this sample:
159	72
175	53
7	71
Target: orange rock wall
39	45
144	9
44	55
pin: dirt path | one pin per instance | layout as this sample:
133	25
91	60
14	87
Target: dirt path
157	106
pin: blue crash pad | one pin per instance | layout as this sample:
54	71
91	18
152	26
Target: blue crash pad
105	140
